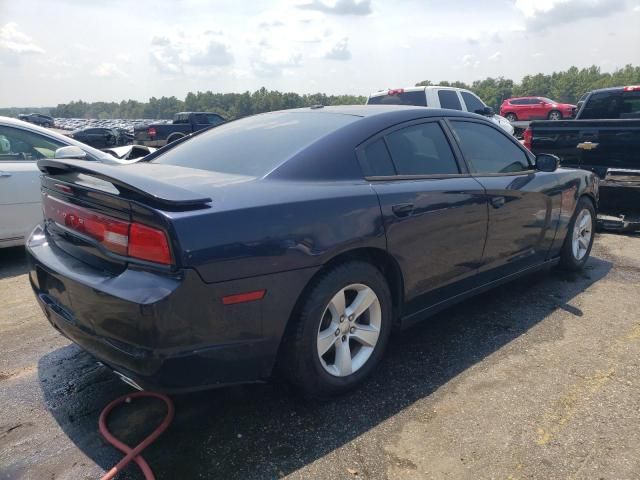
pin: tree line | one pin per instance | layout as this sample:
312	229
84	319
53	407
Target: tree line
565	86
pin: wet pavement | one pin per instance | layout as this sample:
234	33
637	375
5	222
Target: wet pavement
537	379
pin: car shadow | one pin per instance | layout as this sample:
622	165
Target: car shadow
264	431
13	262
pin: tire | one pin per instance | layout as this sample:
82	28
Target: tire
319	311
511	117
173	138
575	253
554	115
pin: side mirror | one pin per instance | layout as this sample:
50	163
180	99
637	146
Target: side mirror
545	162
70	152
486	111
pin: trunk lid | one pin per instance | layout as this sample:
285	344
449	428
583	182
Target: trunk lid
109	216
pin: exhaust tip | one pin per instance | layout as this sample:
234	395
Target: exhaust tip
128	380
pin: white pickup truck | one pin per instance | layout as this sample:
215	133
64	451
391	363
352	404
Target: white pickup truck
439	97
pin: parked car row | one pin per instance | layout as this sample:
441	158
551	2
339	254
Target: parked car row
121	123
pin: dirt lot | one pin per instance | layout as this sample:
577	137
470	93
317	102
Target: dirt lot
540	379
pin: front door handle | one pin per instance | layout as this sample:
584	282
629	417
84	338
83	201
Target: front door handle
5	174
497	202
402	209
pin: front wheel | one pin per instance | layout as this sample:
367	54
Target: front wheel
511	117
579	240
339	333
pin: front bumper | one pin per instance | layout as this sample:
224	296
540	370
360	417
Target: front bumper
165	332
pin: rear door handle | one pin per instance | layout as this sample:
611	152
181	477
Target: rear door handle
497	202
402	209
5	174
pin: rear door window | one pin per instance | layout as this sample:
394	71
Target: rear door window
421	150
376	161
417	98
488	150
449	99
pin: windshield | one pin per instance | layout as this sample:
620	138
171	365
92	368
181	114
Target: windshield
254	146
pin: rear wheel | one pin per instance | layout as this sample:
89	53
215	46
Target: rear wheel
579	240
511	117
555	115
339	332
174	137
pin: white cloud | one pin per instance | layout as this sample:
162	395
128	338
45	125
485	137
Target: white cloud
340	7
495	56
339	51
173	54
273	65
541	15
123	58
470	61
108	70
15	44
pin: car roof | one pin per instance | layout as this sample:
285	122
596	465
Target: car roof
399	111
418	89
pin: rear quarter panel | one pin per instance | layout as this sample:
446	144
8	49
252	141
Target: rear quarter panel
269	226
573	184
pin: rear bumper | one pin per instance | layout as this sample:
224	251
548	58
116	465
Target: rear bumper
167	333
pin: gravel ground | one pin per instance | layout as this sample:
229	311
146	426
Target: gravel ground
538	379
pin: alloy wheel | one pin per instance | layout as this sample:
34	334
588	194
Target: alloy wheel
582	231
349	330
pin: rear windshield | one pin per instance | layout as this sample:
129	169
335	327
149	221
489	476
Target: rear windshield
612	105
254	146
417	98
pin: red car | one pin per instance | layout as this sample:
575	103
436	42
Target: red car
535	108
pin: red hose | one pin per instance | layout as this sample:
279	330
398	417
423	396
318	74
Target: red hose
133	453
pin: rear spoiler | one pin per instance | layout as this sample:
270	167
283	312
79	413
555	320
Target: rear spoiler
127	179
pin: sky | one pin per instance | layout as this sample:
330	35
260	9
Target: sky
56	51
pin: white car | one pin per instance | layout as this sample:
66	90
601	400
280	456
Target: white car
436	96
22	144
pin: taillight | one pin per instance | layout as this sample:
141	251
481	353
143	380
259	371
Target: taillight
632	88
528	137
149	244
151	132
118	236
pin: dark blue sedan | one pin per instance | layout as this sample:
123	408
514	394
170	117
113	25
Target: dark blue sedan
295	240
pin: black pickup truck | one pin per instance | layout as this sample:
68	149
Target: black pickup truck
184	123
604	137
